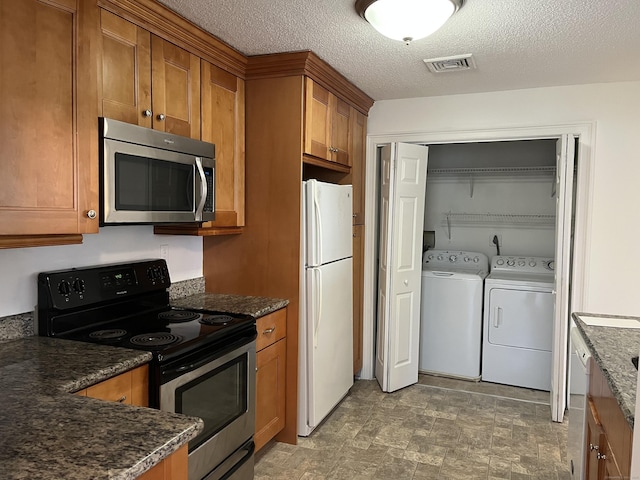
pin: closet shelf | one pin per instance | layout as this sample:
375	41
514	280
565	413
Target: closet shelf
472	172
497	219
548	170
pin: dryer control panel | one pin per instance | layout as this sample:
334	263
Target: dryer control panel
522	264
459	260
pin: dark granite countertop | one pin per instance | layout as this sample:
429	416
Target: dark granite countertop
48	433
612	349
240	304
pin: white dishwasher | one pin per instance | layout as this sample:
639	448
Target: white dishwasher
578	388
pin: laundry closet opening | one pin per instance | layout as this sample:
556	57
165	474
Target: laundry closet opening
496	248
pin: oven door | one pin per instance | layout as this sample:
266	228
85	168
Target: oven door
220	389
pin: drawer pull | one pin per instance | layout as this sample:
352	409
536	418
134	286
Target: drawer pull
593	447
269	330
601	456
122	399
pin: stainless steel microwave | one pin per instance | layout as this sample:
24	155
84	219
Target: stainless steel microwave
152	177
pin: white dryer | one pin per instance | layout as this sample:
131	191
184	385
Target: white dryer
518	322
451	313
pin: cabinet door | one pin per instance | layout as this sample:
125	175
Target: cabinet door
340	129
173	467
593	441
358	289
126	71
175	80
48	117
358	162
270	392
223	125
317	139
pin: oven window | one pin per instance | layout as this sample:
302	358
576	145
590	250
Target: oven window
218	398
147	184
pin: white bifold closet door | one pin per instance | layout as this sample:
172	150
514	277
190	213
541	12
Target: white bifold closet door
404	178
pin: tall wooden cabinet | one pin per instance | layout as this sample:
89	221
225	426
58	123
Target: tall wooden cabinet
48	127
266	258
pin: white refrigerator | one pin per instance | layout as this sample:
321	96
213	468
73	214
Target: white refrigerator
326	327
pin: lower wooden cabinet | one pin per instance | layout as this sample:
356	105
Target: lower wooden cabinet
131	388
609	436
270	376
174	467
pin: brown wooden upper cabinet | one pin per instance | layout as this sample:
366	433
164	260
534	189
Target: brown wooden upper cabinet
327	124
48	121
147	80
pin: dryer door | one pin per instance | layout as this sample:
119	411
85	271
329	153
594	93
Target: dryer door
521	318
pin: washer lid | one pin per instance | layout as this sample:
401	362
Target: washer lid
454	273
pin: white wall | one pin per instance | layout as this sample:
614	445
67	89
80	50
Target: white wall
19	266
508	195
613	260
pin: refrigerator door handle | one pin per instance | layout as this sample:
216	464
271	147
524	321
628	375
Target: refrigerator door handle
317	307
318	229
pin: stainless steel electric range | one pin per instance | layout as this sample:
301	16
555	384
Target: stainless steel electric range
203	362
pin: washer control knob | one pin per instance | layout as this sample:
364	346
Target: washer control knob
430	257
551	265
511	262
476	259
466	259
521	263
532	263
439	257
453	258
498	262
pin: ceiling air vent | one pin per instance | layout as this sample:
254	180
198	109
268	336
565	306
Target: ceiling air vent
451	64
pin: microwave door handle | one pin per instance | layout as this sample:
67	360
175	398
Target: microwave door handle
203	190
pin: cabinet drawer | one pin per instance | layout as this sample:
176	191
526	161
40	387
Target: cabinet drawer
129	387
271	328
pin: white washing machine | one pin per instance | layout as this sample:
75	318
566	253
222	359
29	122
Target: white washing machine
518	322
451	313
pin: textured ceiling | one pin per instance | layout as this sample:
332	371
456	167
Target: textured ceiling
515	43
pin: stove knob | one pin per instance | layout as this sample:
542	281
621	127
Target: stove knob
78	286
500	262
64	288
466	259
440	257
521	263
477	259
430	257
453	258
532	263
511	263
551	265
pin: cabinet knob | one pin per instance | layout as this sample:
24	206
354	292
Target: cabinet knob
161	116
146	113
92	214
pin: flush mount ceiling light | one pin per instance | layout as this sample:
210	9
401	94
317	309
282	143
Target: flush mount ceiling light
407	20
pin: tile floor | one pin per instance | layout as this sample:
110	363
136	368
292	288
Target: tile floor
438	429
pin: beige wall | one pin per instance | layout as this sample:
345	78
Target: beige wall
613	255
